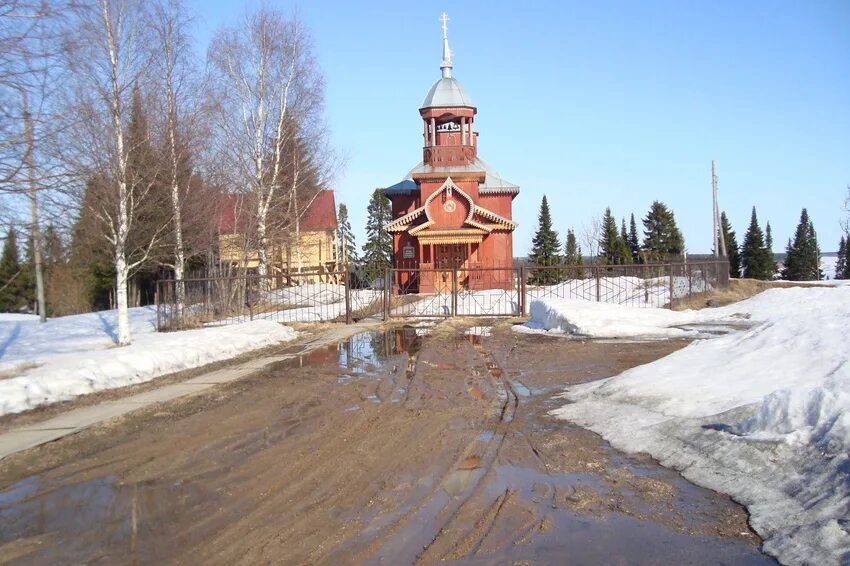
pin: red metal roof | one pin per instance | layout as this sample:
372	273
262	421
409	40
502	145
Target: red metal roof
321	214
227	214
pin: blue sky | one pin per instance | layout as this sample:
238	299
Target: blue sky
600	104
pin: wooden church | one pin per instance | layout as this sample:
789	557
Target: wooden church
451	212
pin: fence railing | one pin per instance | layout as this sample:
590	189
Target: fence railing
637	285
358	292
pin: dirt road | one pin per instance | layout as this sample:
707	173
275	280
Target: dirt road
392	448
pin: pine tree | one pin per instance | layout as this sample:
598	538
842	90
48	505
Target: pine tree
572	255
347	247
755	261
544	247
623	234
732	251
802	256
378	249
634	243
841	259
11	272
661	237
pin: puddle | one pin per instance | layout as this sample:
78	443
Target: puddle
521	389
368	351
714	329
482	331
131	517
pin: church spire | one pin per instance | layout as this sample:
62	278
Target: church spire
446	65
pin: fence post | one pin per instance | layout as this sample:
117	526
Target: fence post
387	292
670	267
347	275
522	297
156	302
454	291
690	281
598	285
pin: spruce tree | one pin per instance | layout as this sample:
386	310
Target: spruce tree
755	261
661	237
623	234
544	247
841	259
11	272
378	249
846	274
768	239
347	247
608	248
613	249
732	251
802	256
572	255
768	245
634	243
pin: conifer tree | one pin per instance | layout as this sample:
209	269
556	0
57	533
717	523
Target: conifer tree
841	260
623	234
802	256
634	243
613	249
661	237
768	239
11	272
347	247
846	274
732	251
755	260
378	249
572	255
544	247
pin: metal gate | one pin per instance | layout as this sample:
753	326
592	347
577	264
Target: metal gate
445	292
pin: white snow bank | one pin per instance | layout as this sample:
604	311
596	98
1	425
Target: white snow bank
76	355
607	320
15	317
761	414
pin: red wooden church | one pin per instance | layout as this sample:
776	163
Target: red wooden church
451	212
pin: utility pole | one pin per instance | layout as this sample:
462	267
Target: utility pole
719	238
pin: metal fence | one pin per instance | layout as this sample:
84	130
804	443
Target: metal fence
638	285
359	292
342	296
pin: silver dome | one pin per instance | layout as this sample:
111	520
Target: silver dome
447	92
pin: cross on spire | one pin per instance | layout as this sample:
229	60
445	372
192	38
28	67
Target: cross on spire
446	66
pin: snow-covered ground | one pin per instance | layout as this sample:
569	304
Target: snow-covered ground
762	414
76	355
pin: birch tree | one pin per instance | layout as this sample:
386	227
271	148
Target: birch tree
177	84
269	96
109	53
29	77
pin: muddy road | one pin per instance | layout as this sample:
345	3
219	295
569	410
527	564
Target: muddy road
395	447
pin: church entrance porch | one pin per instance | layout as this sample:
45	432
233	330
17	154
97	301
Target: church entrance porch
450	260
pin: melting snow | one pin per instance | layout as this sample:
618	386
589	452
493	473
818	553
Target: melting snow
762	414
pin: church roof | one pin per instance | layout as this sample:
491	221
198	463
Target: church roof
447	93
493	183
